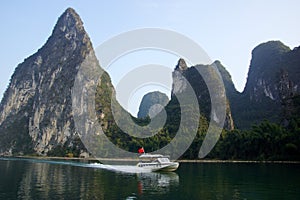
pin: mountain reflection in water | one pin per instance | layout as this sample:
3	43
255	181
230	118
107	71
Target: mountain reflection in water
46	179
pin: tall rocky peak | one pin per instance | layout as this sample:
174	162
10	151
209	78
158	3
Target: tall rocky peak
181	65
267	60
184	76
69	32
269	51
68	22
37	105
274	71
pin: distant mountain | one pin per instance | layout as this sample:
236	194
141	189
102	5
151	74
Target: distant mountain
273	80
274	69
152	103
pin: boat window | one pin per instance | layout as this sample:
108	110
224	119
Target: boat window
163	160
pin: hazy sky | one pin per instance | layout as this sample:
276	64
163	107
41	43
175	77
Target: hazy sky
226	30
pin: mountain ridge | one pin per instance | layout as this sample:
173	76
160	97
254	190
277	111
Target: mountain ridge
36	113
261	99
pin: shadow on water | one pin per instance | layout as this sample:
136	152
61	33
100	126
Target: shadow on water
11	175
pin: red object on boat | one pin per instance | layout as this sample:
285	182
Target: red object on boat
141	150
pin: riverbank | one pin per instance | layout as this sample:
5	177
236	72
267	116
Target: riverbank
101	160
238	161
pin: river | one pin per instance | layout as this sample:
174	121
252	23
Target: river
53	179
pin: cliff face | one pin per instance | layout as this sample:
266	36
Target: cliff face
36	113
263	76
37	103
273	72
184	75
272	86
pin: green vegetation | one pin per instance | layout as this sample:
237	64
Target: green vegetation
67	150
266	141
266	127
275	138
263	141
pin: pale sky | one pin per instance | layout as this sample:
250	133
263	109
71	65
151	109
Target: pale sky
226	30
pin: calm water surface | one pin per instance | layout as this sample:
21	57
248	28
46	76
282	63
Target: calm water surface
36	179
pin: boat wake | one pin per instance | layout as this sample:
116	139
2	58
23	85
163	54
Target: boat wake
116	168
120	168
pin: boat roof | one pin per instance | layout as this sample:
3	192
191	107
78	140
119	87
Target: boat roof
153	156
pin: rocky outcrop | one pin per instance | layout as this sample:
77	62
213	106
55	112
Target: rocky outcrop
266	63
39	93
267	83
152	103
36	113
272	85
193	76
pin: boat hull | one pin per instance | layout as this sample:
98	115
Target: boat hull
169	168
157	167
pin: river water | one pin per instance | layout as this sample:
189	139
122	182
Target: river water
50	179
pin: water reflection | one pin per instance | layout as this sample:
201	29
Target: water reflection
60	181
158	182
10	176
22	179
44	181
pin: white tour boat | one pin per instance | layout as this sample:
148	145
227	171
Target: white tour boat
157	162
